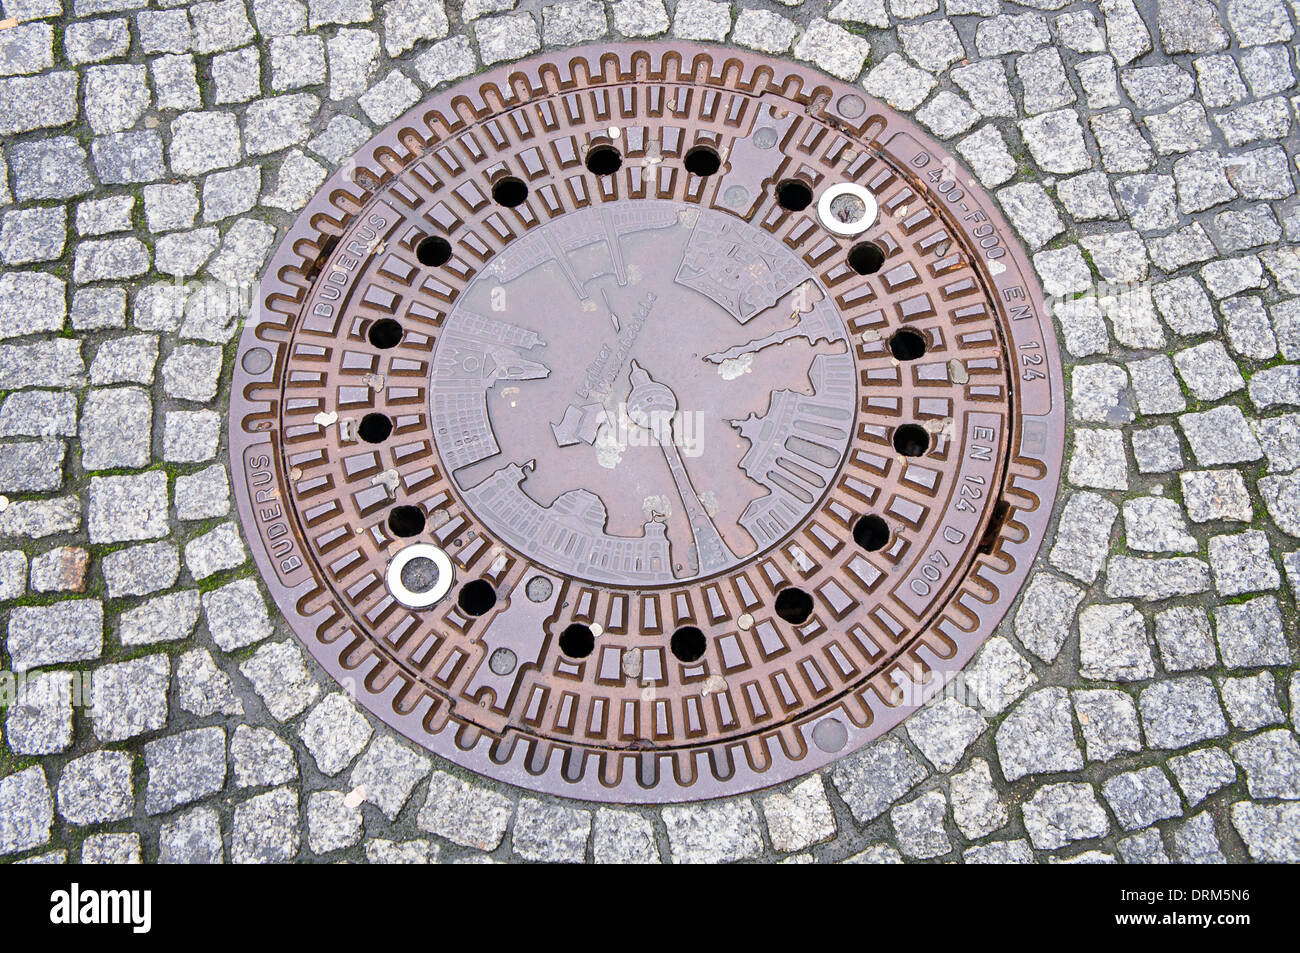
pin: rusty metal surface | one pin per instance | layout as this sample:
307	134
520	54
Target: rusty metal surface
718	484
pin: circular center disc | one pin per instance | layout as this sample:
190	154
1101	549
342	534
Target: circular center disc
646	423
644	394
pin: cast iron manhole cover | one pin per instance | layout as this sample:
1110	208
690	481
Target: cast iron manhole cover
647	423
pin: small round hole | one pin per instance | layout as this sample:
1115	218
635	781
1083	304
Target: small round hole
688	644
794	605
420	574
911	440
503	661
476	597
433	251
603	160
509	191
406	521
871	533
375	428
702	160
385	333
793	195
907	344
577	640
866	258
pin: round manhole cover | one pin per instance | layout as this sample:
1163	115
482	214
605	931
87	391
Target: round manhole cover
647	423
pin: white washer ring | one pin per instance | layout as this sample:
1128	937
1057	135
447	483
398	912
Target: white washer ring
441	586
847	229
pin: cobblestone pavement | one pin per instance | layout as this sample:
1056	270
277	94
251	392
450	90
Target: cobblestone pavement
1138	705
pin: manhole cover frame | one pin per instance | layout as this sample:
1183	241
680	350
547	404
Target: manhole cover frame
723	767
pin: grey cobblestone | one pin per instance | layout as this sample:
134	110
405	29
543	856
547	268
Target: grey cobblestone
872	780
184	767
1250	634
279	676
623	837
1271	832
41	721
259	758
919	826
1196	841
714	832
169	617
976	808
126	159
1271	762
1140	798
265	828
1181	712
331	823
379	851
111	849
1183	634
1109	723
193	837
96	788
800	817
389	772
334	732
1037	736
126	508
944	730
1200	773
67	631
468	815
130	698
215	552
202	688
236	615
1251	701
1058	814
550	833
26	810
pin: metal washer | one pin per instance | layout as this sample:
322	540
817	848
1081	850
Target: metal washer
847	229
442	584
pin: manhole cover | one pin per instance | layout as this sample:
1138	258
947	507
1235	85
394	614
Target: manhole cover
647	423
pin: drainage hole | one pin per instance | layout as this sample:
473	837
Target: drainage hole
702	160
326	249
907	344
375	428
385	333
793	195
911	440
406	521
433	251
871	533
866	258
577	640
476	597
794	605
420	575
688	644
604	160
509	191
1001	510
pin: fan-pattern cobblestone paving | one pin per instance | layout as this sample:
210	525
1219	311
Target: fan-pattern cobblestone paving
1138	705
